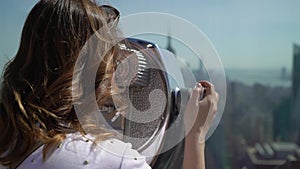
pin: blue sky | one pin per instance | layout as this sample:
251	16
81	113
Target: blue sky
254	34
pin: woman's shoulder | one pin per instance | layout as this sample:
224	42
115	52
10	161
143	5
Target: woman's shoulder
80	151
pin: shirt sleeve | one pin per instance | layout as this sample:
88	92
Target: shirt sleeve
76	152
133	160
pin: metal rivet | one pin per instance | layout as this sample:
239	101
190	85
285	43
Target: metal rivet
86	162
149	46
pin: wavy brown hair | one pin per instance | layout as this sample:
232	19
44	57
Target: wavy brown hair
37	103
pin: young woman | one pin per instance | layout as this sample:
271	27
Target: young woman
38	123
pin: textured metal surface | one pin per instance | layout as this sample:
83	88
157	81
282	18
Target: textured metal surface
144	120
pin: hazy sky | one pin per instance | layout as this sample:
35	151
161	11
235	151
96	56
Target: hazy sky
246	33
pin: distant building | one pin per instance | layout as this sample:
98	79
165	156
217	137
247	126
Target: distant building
169	45
276	155
295	102
296	70
284	75
281	120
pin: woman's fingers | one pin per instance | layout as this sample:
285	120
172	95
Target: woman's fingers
195	95
210	88
211	100
201	112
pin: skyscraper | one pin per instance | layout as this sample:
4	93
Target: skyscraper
296	71
169	45
295	102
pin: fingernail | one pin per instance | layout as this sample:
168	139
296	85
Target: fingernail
198	85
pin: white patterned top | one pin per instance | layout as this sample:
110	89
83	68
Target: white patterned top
78	152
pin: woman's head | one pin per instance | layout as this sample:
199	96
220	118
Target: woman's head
36	94
54	33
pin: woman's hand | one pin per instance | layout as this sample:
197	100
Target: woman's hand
198	117
199	114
